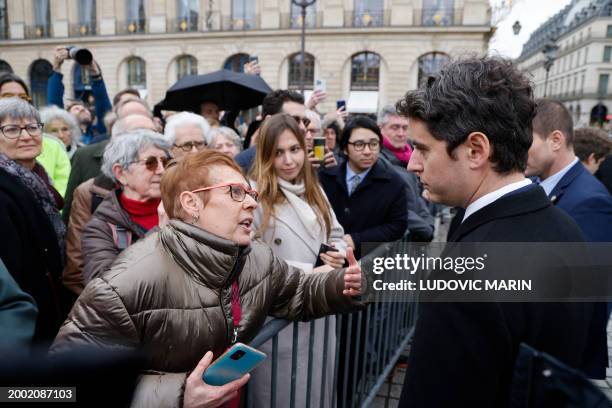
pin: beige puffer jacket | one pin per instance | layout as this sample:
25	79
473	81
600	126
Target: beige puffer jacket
170	294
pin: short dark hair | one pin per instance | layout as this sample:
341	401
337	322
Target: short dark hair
553	115
10	77
477	94
125	91
358	122
273	102
590	140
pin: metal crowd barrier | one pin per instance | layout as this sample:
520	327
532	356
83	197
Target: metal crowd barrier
373	340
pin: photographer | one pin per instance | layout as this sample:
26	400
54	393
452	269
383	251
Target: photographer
55	96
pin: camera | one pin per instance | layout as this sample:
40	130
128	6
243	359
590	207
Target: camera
81	55
237	355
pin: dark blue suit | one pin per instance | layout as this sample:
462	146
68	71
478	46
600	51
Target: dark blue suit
588	202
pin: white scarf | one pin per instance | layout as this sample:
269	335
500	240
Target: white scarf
307	216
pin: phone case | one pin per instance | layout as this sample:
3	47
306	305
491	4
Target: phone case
224	369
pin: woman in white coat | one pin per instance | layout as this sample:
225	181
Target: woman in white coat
294	218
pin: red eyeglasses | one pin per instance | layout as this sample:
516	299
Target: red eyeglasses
237	191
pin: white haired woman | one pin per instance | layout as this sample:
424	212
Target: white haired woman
187	132
135	161
61	124
33	236
226	141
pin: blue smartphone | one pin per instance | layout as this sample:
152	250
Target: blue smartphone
340	103
233	364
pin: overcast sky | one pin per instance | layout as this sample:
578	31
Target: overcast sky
531	14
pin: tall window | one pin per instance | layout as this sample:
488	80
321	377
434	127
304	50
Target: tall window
39	74
296	16
294	71
188	13
87	17
608	31
42	18
5	67
136	73
243	14
3	19
236	62
438	12
136	16
368	13
602	87
430	64
365	72
607	53
186	65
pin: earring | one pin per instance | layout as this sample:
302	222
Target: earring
195	218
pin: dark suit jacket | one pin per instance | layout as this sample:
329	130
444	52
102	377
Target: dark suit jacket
86	164
604	174
588	202
376	211
463	354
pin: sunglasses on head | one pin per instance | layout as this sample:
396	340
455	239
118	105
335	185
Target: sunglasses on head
299	119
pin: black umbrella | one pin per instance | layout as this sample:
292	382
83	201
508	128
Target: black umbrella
230	90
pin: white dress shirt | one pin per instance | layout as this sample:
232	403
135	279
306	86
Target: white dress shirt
549	184
493	196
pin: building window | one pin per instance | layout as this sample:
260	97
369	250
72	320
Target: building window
87	17
188	14
294	71
296	16
186	65
3	19
582	84
39	75
586	52
430	64
243	14
438	12
365	71
608	31
42	18
5	67
578	112
607	53
136	73
602	87
368	13
236	62
136	16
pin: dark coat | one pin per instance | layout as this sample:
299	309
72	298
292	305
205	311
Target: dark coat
463	354
604	174
587	201
31	253
86	164
376	211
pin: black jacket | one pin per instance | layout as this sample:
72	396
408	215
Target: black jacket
376	211
463	354
31	253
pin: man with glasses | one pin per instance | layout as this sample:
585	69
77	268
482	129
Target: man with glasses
313	131
187	132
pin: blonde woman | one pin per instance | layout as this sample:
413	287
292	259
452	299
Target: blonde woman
294	218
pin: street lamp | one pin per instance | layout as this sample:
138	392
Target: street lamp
550	51
303	4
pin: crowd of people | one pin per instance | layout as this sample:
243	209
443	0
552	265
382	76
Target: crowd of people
177	235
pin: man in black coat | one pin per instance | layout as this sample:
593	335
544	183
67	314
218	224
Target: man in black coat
366	193
471	130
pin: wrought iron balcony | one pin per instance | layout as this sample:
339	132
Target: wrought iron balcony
83	29
38	31
132	27
183	25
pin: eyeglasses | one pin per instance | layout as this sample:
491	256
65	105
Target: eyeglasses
151	162
188	146
360	145
23	96
14	131
237	191
299	119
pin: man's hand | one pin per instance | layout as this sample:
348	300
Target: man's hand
329	160
60	55
349	241
314	162
352	276
201	395
342	114
316	97
252	68
94	68
335	259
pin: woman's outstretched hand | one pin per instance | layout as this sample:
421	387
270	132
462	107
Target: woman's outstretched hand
352	275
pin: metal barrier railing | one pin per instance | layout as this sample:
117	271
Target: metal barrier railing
367	347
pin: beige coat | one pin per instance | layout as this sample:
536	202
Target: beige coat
290	241
169	294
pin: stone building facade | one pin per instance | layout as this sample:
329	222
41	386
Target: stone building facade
580	74
368	52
